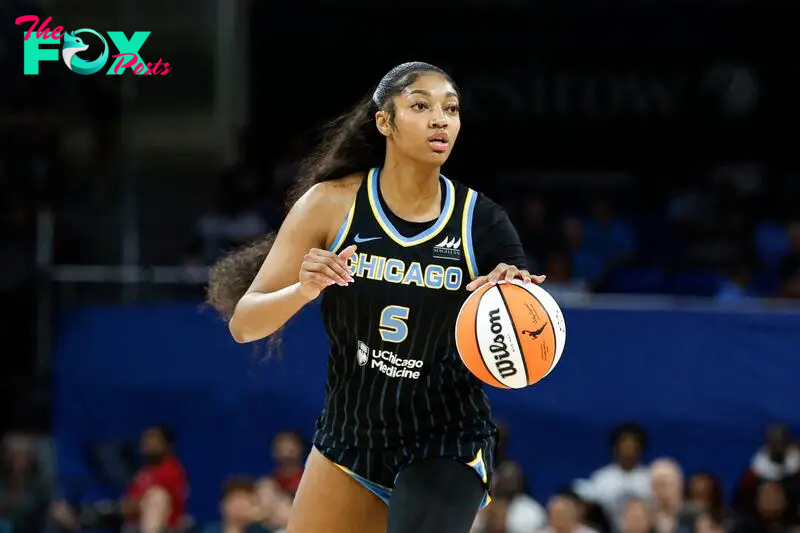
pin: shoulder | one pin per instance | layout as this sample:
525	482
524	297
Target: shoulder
170	469
487	213
332	195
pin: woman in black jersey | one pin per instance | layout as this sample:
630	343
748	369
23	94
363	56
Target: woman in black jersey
405	442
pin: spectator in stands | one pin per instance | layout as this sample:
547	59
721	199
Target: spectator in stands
790	264
635	518
626	478
704	492
239	508
773	512
155	499
777	460
564	514
24	495
607	244
289	453
669	512
523	513
275	505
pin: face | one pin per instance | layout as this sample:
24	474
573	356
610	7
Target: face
635	519
562	513
666	484
153	444
701	490
509	479
628	448
287	449
777	442
241	506
426	120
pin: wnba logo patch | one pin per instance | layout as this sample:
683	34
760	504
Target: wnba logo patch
449	248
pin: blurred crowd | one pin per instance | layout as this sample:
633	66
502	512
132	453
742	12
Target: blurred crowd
629	496
625	496
155	490
729	232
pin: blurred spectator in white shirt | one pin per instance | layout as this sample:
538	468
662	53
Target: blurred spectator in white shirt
626	478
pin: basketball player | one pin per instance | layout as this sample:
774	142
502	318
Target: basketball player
404	443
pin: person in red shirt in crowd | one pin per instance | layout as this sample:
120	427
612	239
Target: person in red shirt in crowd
777	461
156	497
288	451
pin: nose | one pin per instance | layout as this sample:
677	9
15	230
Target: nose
439	119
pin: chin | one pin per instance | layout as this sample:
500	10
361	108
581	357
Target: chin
434	158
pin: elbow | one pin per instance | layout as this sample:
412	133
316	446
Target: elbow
242	334
243	326
237	332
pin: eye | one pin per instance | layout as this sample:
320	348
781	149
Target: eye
453	108
419	106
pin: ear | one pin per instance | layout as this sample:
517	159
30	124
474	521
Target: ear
382	123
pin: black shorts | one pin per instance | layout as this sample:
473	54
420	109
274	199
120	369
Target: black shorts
377	470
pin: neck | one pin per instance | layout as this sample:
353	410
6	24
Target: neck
411	191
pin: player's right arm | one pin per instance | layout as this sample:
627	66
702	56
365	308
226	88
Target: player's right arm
298	266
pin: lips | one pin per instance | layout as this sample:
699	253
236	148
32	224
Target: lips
439	142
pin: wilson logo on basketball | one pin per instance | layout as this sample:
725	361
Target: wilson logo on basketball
498	348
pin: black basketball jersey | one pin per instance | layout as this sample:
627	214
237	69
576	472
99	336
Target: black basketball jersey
394	375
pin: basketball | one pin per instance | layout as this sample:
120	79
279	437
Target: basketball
510	335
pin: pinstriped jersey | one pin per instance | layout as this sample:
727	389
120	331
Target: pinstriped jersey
394	375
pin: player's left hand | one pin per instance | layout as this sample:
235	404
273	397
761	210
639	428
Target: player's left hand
504	272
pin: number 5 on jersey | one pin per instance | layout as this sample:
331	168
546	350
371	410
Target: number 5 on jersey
393	326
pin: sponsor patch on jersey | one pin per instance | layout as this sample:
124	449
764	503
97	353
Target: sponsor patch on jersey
448	248
389	363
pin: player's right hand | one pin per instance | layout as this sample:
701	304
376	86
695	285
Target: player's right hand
321	269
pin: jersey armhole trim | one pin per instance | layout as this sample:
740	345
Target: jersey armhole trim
344	229
466	233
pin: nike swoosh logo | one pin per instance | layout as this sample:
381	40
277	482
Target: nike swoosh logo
358	239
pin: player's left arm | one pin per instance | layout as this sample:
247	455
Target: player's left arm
497	246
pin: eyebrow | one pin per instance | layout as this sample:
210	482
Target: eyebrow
427	93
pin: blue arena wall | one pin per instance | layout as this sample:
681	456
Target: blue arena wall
704	383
